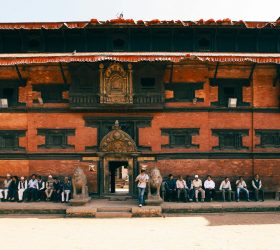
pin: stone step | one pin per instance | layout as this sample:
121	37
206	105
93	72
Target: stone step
118	198
32	211
114	209
113	215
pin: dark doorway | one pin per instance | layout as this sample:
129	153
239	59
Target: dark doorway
119	179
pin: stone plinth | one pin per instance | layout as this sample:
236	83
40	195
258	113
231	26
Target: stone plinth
81	212
153	200
146	211
79	201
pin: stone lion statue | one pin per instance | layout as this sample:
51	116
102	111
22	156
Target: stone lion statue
79	183
154	183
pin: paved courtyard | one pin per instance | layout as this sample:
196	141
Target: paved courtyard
211	231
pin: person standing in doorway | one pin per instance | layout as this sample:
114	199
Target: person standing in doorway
142	180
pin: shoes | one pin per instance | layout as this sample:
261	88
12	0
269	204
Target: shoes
140	205
248	200
202	200
237	200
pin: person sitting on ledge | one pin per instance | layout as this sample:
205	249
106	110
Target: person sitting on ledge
241	187
42	188
49	188
22	186
13	188
209	186
32	189
225	187
190	188
181	188
257	186
66	190
197	185
56	189
6	185
170	187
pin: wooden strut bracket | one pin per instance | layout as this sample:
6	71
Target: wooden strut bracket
19	75
216	72
252	72
62	73
277	77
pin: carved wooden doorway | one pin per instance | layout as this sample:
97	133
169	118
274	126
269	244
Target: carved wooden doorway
117	149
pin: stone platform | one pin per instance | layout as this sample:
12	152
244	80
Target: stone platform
103	208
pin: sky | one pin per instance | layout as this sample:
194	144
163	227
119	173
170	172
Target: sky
84	10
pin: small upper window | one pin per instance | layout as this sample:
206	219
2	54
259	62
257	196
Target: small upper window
204	44
118	44
148	83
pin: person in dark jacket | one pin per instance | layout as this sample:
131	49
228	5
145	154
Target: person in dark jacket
56	189
190	187
41	189
66	190
257	187
13	188
170	188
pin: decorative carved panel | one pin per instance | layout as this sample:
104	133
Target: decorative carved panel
117	141
115	84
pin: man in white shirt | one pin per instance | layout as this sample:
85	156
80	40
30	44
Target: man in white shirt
241	187
209	186
225	187
181	188
32	189
197	185
22	186
142	180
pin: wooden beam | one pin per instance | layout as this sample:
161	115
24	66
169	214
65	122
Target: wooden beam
216	72
62	73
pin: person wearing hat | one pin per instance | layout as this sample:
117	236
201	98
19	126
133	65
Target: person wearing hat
41	188
197	185
49	188
7	183
22	186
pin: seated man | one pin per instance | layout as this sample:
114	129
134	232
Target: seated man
56	189
197	185
66	190
49	188
209	186
241	187
170	187
41	188
13	188
225	187
181	188
22	186
32	189
257	186
190	188
6	185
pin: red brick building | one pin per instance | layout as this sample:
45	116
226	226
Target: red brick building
193	98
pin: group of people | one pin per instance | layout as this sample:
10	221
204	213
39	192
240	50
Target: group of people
35	189
190	189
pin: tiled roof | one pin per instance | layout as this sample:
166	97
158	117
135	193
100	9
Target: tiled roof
42	58
139	23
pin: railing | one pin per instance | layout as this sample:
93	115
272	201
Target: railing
85	100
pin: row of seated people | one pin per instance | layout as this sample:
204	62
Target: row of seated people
190	189
35	189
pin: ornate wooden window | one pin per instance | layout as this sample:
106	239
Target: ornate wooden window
230	138
115	84
51	93
269	138
56	138
9	139
184	92
180	137
229	88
